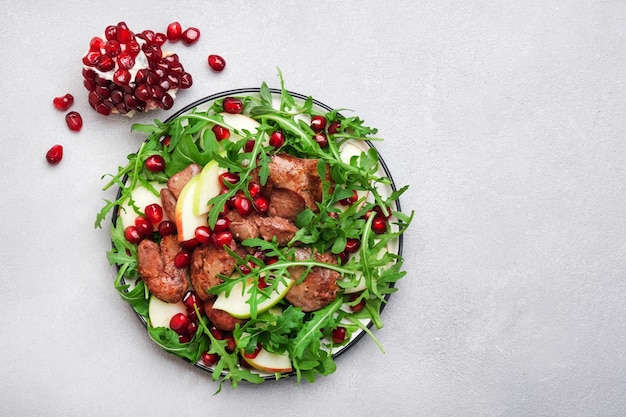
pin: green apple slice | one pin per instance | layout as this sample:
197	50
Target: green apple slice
236	303
240	122
186	220
142	198
208	187
160	312
269	362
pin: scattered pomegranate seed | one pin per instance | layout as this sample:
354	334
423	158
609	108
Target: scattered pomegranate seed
358	306
64	102
352	245
155	163
167	228
74	121
132	235
233	105
249	146
184	338
321	139
333	128
154	213
191	301
216	63
339	335
243	206
216	333
230	343
228	177
209	359
222	238
318	123
182	259
54	154
179	323
349	200
261	283
254	353
344	257
221	224
203	234
277	139
174	32
190	36
190	244
221	132
143	225
379	225
261	205
254	189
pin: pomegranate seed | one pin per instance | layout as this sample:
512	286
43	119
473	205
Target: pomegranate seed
159	38
155	163
105	63
221	132
121	77
321	139
143	92
192	327
261	283
112	48
132	235
249	146
154	213
209	359
318	123
216	63
216	333
352	245
185	80
126	60
344	257
124	35
243	206
191	300
190	244
147	35
92	58
349	200
110	32
179	322
166	141
182	259
228	177
222	238
64	102
230	343
221	224
184	338
203	234
254	353
333	128
232	105
167	228
277	139
254	189
379	225
190	36
166	102
74	121
54	154
339	335
95	44
261	204
143	225
358	306
174	32
133	47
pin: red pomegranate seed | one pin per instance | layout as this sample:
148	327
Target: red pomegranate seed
154	213
105	63
318	123
184	338
221	132
159	38
203	234
64	102
166	102
186	80
261	204
155	163
112	48
124	35
133	47
191	300
221	224
92	58
54	154
126	60
95	44
232	105
174	32
216	333
74	121
243	206
228	177
358	306
216	63
352	245
344	257
249	146
190	36
222	238
182	259
254	189
121	77
349	200
339	335
277	139
209	359
167	228
261	283
110	32
254	353
179	322
132	235
321	139
143	225
230	343
333	128
190	244
379	225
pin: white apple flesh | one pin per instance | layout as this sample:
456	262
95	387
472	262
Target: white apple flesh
235	303
142	198
186	220
269	362
208	187
160	312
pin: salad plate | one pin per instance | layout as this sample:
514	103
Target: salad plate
284	317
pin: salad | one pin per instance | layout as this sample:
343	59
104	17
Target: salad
257	234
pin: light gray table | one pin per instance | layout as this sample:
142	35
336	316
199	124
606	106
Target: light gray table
508	121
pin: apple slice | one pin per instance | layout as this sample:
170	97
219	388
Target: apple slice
269	362
160	312
208	187
236	302
142	198
186	220
346	152
240	122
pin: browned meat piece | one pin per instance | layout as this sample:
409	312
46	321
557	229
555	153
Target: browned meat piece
221	319
254	226
319	288
298	175
156	266
206	263
180	179
168	202
285	203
